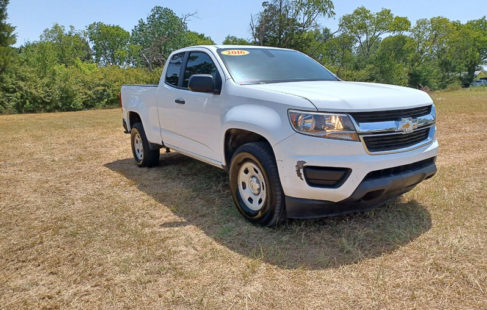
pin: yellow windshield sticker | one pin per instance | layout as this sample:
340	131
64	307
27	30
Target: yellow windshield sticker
235	52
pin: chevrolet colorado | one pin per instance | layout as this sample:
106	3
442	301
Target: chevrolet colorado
297	141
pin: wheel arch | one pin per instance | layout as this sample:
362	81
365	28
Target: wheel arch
235	137
133	117
251	122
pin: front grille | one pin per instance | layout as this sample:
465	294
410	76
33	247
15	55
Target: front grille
383	143
400	169
391	115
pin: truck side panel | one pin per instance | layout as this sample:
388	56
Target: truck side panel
142	99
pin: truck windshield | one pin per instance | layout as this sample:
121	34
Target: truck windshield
266	65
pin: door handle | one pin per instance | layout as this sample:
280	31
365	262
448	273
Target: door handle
180	101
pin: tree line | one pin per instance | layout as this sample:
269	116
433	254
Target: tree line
433	53
69	69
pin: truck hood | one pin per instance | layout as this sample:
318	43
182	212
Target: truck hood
351	96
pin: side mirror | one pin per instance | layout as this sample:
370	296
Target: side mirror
202	83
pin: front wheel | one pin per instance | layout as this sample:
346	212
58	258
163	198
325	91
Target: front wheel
144	156
255	185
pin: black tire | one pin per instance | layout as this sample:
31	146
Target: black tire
144	156
272	211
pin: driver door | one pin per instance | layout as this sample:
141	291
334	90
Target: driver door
192	120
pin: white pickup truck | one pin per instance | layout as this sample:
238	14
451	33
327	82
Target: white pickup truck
297	141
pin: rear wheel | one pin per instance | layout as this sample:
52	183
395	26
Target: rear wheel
255	185
144	156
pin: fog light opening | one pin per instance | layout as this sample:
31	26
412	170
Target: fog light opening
373	195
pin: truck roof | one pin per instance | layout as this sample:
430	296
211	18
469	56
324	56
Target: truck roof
217	46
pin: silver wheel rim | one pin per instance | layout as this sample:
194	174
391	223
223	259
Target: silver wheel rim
251	186
138	147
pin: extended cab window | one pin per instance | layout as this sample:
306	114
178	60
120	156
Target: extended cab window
200	63
174	68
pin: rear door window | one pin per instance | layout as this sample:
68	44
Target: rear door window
200	63
174	69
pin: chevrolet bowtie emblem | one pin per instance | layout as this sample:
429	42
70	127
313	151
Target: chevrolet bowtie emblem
407	125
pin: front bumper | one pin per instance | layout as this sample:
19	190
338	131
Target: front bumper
296	152
376	188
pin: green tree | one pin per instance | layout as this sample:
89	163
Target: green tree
391	60
194	38
284	23
40	56
134	57
232	40
315	43
468	48
432	65
480	28
338	54
110	43
7	38
159	35
367	28
70	44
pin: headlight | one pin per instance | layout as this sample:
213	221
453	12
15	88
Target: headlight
325	125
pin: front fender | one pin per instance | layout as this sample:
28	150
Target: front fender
273	125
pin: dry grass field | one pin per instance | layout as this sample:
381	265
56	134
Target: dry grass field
82	227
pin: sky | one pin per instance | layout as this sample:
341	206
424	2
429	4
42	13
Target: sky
214	18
